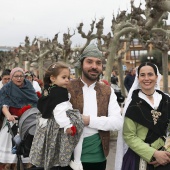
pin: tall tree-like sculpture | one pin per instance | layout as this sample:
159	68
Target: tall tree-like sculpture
139	25
160	40
143	24
43	49
67	45
90	35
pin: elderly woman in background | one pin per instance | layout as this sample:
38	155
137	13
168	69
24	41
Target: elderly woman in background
14	95
147	115
29	76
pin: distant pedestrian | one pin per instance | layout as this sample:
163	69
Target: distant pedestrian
5	77
129	79
29	76
114	79
40	82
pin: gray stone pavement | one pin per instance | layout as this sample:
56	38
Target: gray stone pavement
111	156
112	152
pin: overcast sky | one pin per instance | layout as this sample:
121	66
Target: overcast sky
35	18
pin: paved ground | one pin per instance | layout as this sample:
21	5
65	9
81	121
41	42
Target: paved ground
111	157
112	152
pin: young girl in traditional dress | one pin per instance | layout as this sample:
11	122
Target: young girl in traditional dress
59	127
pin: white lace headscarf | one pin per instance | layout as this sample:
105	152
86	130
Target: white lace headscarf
121	145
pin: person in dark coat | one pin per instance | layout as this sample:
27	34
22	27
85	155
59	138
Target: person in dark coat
114	79
129	79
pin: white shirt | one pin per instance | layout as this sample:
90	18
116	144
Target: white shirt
59	115
113	122
157	98
36	86
1	85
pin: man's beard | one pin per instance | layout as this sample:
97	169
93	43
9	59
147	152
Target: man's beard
90	77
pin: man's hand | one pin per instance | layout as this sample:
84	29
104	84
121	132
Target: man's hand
86	120
68	131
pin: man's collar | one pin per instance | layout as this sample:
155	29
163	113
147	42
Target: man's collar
92	85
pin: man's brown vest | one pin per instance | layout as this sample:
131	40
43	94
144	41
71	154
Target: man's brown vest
103	97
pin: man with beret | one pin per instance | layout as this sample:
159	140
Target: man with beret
100	111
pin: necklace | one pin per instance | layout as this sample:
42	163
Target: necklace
155	116
148	94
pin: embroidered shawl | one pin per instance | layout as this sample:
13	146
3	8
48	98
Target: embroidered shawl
140	111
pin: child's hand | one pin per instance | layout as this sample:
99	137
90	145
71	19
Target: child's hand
68	131
71	131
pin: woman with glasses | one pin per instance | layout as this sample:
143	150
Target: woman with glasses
14	95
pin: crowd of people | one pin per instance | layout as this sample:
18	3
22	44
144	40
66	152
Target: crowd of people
76	117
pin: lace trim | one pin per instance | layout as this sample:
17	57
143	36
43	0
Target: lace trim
142	164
